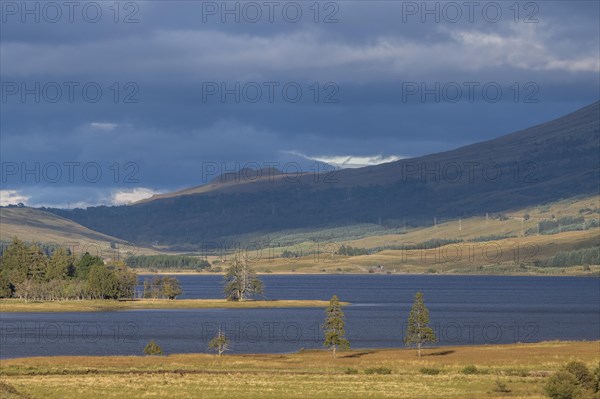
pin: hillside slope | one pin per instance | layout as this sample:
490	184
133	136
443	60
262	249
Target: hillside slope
37	226
555	160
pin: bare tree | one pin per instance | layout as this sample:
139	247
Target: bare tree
220	343
241	281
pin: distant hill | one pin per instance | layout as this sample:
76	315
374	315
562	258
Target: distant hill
37	226
548	162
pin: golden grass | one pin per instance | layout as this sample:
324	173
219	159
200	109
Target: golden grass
502	256
495	257
17	305
314	374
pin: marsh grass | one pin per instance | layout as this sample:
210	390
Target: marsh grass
310	373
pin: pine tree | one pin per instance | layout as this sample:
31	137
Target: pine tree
60	265
6	288
418	332
334	326
220	343
13	263
37	263
241	281
85	263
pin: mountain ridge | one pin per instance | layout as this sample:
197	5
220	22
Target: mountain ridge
549	161
347	177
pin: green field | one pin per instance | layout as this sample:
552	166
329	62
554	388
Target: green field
524	369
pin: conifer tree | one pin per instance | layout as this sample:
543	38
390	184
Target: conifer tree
418	331
334	326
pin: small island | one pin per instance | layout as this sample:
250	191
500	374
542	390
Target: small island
38	279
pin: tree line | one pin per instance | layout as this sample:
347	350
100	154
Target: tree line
29	272
352	251
166	262
582	256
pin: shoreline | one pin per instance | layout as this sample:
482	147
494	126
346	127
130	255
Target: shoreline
332	273
108	305
430	350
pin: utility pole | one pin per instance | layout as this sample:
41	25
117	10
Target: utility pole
522	227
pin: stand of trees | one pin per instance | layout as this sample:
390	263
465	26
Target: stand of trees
162	287
352	251
167	262
582	256
27	272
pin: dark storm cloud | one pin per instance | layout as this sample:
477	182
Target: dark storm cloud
161	80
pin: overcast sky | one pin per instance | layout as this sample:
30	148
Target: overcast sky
106	105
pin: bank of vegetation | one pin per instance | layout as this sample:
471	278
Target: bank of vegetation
29	272
167	262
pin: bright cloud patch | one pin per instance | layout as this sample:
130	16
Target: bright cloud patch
8	197
103	126
350	161
124	197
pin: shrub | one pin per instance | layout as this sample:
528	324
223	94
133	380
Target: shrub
562	385
517	372
501	387
581	373
430	371
470	369
350	370
378	370
152	349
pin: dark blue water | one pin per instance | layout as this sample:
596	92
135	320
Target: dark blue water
463	309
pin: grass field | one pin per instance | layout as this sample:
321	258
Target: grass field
17	305
512	255
308	374
505	256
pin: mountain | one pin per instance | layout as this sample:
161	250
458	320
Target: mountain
551	161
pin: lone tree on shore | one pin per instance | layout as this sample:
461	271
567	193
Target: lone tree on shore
334	326
220	343
241	281
418	331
